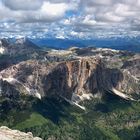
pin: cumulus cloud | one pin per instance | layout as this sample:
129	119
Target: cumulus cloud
23	4
33	10
48	12
70	18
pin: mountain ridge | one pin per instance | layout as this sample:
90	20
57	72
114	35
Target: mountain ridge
126	44
72	73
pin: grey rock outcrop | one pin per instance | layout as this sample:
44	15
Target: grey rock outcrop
9	134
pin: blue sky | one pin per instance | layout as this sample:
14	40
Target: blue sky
70	18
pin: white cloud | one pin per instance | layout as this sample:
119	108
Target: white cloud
54	9
23	4
97	2
89	21
33	10
70	17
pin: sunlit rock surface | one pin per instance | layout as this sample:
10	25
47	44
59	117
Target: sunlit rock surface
75	74
9	134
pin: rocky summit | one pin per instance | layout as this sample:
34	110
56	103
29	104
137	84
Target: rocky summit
8	134
75	74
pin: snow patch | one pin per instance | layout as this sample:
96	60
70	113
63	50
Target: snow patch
9	79
73	103
121	94
38	95
2	50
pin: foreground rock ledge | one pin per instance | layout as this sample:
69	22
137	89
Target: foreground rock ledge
8	134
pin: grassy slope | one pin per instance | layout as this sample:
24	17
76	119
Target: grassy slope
107	119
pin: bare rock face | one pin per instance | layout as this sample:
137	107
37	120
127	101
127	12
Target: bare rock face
88	76
74	74
74	80
8	134
133	66
12	53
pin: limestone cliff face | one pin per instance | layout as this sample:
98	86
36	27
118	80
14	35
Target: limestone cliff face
73	74
90	76
73	80
73	77
8	134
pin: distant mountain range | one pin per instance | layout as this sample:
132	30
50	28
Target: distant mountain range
129	44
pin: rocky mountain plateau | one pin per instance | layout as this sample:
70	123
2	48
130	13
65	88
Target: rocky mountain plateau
74	74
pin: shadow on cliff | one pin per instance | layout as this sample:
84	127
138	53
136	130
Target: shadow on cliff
56	83
56	88
103	80
53	109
